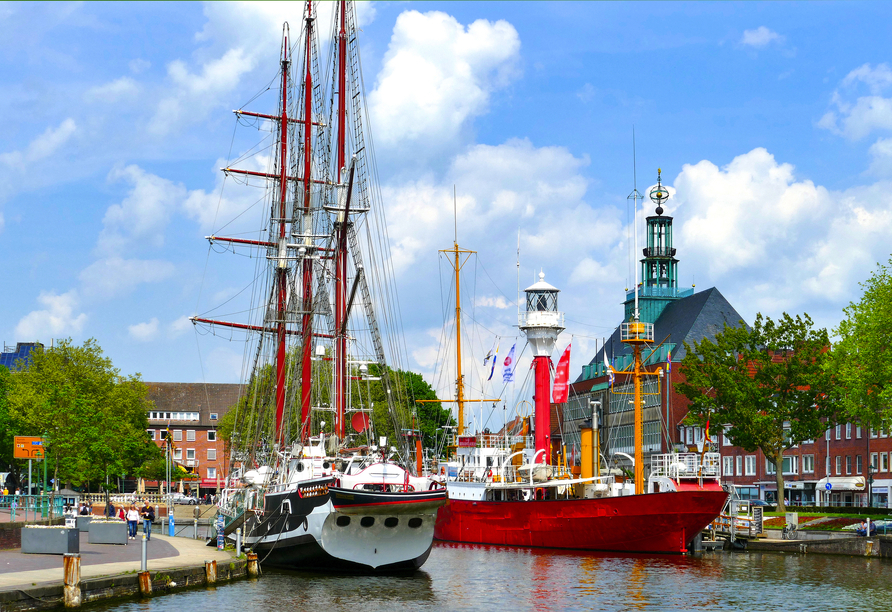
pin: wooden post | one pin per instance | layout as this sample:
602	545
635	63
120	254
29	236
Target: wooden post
145	583
210	570
253	565
71	567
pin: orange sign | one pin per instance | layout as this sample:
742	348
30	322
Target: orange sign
28	447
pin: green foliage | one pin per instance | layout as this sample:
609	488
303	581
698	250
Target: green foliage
860	361
767	385
8	426
93	419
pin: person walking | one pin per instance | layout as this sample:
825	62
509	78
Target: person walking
148	515
109	510
132	520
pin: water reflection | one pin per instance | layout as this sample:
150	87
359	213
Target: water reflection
467	577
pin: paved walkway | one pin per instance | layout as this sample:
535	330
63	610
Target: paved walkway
18	570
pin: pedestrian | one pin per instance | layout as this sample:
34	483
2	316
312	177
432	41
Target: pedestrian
122	514
132	520
109	510
5	492
148	515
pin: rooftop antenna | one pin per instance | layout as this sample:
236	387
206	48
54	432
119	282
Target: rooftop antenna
635	196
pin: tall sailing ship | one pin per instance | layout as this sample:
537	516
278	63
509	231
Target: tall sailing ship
506	489
307	496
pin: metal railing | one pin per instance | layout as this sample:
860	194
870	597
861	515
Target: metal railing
685	465
30	507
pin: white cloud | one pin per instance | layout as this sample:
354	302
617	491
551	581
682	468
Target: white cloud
881	158
57	318
144	332
776	242
124	87
760	37
497	301
438	74
41	147
139	65
114	276
179	327
856	116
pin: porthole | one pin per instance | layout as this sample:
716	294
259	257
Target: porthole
300	466
343	521
326	465
415	523
367	521
391	521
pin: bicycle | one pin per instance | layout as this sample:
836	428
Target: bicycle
789	532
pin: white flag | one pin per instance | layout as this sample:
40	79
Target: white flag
508	371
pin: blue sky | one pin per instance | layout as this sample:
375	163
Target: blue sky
771	122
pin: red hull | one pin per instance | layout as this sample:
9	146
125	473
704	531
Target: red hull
654	523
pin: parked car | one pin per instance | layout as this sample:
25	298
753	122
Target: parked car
758	502
179	498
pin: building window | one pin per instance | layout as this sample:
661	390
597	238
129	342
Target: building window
769	467
212	454
151	433
827	435
177	435
739	461
190	435
858	464
884	462
212	436
848	431
728	466
873	432
212	472
827	465
838	465
190	453
178	454
883	432
873	461
213	416
839	432
848	464
858	432
808	464
725	440
750	465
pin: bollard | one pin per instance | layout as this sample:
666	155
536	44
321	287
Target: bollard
238	542
253	566
71	567
143	557
210	570
194	529
171	529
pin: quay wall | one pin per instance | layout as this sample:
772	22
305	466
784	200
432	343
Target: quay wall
121	586
878	546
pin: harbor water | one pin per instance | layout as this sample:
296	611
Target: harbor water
465	577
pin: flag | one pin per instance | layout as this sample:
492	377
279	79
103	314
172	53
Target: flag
493	354
669	362
609	371
708	439
508	370
561	378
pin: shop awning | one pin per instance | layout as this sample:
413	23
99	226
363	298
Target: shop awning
842	483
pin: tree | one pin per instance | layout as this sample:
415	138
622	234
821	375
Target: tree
767	385
92	418
860	360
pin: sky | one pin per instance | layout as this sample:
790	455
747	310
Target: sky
771	122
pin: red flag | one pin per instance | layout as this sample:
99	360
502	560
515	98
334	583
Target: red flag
562	378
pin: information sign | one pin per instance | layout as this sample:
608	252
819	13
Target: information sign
28	447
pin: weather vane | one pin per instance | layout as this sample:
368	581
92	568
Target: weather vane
659	194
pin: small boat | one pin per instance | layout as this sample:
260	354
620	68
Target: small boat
303	498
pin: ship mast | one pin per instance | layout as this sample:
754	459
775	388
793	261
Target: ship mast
637	333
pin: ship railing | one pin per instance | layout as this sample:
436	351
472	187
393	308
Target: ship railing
685	465
501	442
509	474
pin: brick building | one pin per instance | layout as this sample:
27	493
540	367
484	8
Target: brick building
192	412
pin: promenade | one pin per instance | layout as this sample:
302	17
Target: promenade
19	571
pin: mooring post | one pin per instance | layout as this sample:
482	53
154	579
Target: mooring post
145	583
210	570
71	567
253	566
195	529
238	542
143	565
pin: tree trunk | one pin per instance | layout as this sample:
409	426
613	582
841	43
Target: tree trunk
779	479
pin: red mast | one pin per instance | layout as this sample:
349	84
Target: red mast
282	265
340	364
307	226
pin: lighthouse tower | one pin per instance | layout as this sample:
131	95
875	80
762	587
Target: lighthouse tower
542	323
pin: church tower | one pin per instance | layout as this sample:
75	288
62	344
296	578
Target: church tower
659	268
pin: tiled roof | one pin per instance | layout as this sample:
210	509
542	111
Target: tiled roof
203	398
689	319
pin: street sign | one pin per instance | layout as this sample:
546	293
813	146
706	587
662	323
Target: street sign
28	447
828	486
